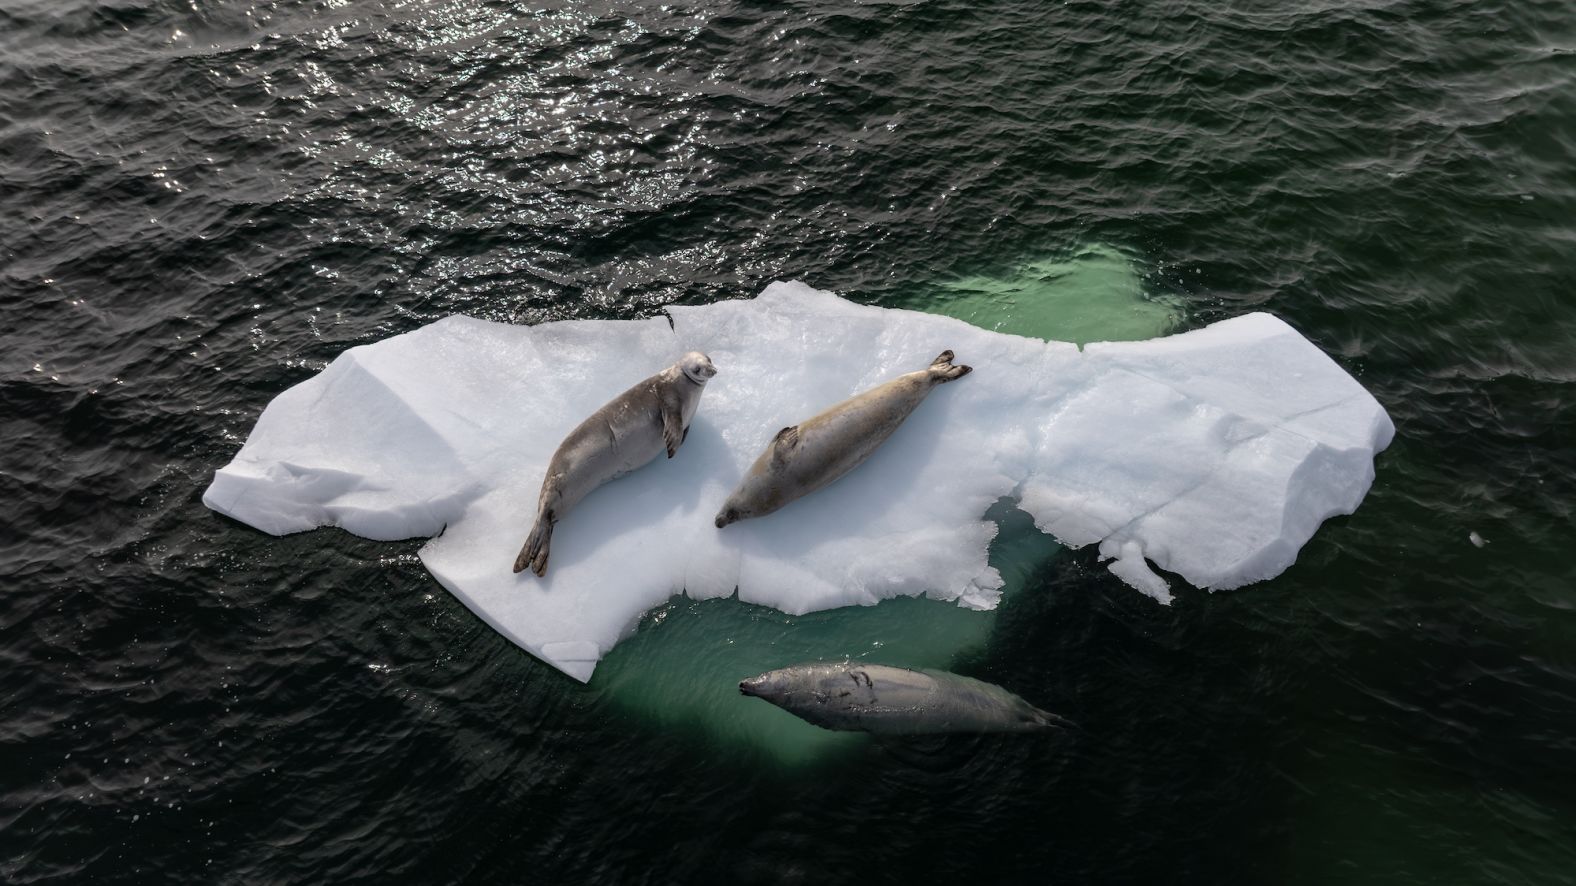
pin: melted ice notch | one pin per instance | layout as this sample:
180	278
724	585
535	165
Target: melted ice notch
1214	454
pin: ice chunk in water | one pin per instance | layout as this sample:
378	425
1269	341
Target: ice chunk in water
1214	454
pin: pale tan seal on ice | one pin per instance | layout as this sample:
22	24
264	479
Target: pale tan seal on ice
813	453
627	433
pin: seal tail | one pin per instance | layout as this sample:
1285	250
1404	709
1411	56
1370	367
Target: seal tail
534	554
942	370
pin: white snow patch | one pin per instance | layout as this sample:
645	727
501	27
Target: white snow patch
1214	454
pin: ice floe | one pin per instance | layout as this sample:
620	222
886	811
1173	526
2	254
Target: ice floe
1213	454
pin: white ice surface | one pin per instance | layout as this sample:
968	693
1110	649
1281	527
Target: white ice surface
1214	454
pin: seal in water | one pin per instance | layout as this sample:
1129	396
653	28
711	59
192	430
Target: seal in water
852	696
623	435
808	456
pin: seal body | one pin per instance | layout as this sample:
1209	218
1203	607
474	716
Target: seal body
808	456
628	432
851	696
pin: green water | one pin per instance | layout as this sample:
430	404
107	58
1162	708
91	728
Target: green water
1093	294
682	667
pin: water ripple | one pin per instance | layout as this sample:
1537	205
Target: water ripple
210	201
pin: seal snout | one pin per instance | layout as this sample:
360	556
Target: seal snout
751	687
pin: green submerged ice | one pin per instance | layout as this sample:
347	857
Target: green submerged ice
1095	294
681	668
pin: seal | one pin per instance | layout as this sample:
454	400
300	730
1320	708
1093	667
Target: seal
856	697
627	433
809	455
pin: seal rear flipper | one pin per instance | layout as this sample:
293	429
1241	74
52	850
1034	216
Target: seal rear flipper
534	555
942	370
1049	720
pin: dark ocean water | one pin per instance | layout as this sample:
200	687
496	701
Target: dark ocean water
204	202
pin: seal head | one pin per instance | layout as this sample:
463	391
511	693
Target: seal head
774	686
697	367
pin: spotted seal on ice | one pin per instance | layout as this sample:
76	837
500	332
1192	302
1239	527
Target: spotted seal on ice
627	433
813	453
853	696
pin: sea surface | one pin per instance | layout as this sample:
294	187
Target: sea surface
202	202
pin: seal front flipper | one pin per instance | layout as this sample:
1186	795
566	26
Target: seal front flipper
784	443
673	430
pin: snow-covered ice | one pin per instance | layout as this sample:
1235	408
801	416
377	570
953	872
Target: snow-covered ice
1214	455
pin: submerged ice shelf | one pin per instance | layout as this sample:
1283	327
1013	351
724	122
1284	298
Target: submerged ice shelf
1215	454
